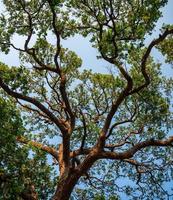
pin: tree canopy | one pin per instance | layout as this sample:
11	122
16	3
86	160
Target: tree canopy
21	175
82	134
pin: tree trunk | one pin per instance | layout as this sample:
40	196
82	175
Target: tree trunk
30	193
70	176
65	187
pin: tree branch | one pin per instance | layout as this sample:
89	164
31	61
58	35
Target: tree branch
128	90
34	102
137	147
78	152
121	143
85	131
115	107
146	56
38	145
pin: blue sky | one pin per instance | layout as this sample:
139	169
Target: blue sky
83	48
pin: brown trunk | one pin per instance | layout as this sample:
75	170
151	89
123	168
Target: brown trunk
69	175
65	187
29	194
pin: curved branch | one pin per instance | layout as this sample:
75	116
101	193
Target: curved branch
85	131
57	34
128	90
124	141
78	152
146	56
34	102
115	106
38	145
137	147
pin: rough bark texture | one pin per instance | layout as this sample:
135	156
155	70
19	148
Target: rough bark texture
30	193
70	176
65	187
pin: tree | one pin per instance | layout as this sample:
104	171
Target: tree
20	174
105	127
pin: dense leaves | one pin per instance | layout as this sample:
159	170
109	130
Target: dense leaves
19	170
109	134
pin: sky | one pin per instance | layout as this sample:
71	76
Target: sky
84	49
88	54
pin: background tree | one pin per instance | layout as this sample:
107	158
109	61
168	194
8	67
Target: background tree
20	173
99	128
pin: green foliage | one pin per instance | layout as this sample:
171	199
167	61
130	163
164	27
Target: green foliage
137	19
16	77
59	88
165	46
166	49
103	197
18	170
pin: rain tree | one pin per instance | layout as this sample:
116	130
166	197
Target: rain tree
107	133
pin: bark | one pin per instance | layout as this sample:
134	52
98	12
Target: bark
65	187
27	196
71	176
30	193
